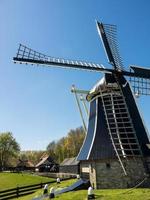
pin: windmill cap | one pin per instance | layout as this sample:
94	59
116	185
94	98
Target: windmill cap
106	81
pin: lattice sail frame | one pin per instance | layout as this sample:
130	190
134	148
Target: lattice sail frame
28	55
141	86
111	33
108	35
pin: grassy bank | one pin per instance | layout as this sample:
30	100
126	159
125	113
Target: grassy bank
140	194
12	180
115	194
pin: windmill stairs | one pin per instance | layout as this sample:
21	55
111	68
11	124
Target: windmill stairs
119	124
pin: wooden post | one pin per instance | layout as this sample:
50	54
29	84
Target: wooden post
17	191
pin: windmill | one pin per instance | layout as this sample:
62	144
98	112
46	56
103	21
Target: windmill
115	152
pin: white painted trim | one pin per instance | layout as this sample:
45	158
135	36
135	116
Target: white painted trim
95	128
85	134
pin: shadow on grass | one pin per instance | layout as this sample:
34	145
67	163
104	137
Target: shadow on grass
98	196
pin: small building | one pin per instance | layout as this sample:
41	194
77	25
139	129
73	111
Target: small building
47	164
70	165
24	165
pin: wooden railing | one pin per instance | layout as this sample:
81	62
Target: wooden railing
20	191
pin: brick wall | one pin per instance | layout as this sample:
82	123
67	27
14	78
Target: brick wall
74	169
109	174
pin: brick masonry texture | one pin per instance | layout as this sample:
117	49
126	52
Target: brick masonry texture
109	174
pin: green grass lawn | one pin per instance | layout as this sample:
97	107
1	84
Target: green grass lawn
138	194
12	180
115	194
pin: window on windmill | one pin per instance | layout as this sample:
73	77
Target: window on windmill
108	166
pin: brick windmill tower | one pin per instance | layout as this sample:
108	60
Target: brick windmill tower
115	152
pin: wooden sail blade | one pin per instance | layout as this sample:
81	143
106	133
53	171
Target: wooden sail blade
141	71
140	81
108	37
29	56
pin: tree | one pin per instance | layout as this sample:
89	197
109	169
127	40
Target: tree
68	146
51	149
74	141
9	148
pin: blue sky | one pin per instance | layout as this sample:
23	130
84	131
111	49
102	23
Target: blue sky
36	104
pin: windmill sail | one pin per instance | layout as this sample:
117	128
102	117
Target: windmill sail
29	56
141	81
107	33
